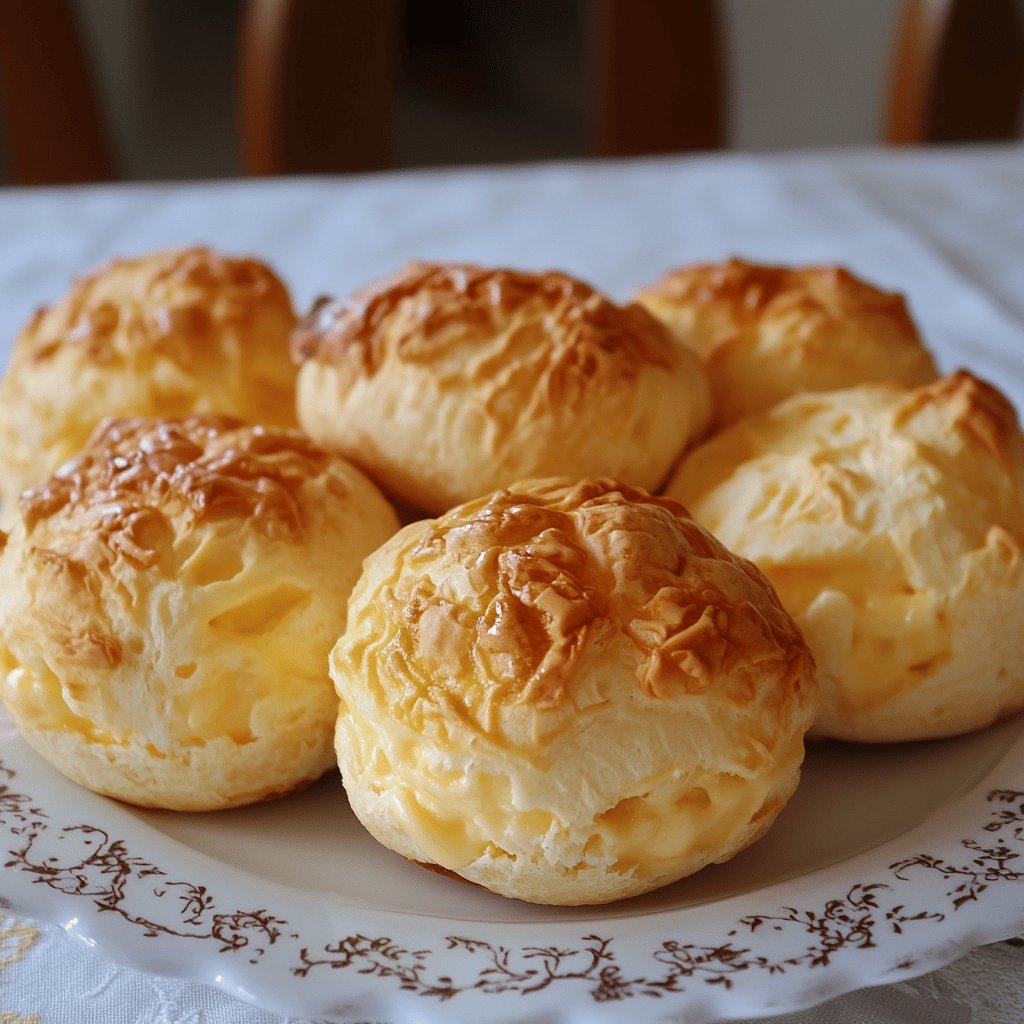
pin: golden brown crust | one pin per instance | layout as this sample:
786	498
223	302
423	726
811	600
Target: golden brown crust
162	301
437	306
753	291
553	588
171	333
137	471
448	381
768	332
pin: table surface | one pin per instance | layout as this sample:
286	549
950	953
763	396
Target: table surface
946	227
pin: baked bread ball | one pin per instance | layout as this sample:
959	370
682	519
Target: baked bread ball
167	334
891	521
170	599
448	381
569	693
766	333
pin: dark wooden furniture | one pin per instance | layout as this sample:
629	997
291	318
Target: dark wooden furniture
317	83
658	76
958	72
318	80
52	127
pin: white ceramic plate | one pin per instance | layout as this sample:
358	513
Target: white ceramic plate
890	861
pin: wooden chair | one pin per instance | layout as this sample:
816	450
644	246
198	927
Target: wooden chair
318	81
52	128
317	85
958	72
658	71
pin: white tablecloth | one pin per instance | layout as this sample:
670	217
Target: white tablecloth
945	227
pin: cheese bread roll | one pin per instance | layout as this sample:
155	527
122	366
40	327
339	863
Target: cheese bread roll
170	333
569	693
891	521
765	333
448	381
170	599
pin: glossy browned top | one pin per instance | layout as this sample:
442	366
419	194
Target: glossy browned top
560	570
136	475
166	299
750	290
425	309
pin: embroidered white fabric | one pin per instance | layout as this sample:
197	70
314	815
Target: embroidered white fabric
944	226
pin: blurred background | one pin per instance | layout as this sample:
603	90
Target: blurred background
219	88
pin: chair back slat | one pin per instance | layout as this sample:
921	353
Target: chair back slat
53	132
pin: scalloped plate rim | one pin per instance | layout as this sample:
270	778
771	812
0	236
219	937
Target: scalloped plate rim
725	981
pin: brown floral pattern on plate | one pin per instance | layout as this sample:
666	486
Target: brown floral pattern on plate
82	860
